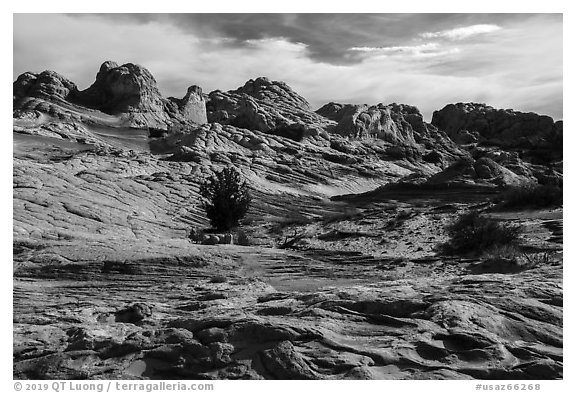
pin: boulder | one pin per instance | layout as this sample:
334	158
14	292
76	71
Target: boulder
133	313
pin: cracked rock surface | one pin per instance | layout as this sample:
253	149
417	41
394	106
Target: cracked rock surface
107	284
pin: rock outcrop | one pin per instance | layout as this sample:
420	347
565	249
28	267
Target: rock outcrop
282	315
192	107
122	89
47	85
484	170
402	126
128	92
469	123
265	105
395	123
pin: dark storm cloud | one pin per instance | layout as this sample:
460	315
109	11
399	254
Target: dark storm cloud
328	37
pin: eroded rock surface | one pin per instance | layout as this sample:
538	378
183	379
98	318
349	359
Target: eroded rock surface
472	123
431	326
268	106
107	283
128	92
402	126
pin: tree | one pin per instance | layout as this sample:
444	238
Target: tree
226	198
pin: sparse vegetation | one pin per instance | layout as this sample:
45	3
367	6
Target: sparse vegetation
532	196
292	240
195	235
509	259
473	234
226	198
243	239
399	219
218	279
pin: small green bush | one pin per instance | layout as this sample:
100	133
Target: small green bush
226	198
473	234
532	196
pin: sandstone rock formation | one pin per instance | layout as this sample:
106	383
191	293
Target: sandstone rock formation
47	85
128	92
279	314
393	123
107	283
192	106
402	126
471	172
470	123
264	105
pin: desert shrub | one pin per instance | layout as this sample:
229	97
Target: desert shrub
218	279
243	239
399	219
471	233
226	198
291	240
532	196
195	235
500	259
509	259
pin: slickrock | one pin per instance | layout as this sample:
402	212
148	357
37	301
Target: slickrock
109	284
434	326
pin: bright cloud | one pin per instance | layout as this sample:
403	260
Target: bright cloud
431	49
462	33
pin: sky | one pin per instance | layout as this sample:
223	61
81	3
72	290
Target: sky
427	60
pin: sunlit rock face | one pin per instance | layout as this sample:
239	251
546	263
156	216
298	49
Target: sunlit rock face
265	105
393	123
128	92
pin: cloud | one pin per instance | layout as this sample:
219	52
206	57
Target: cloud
327	36
431	49
462	33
